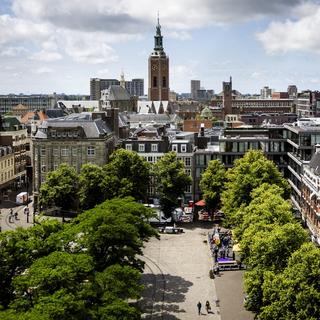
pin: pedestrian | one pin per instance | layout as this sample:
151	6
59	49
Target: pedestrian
199	307
16	215
208	307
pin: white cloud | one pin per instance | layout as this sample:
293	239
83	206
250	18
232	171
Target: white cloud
43	70
103	72
12	51
294	35
46	56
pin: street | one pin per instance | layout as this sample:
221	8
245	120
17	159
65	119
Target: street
5	207
176	278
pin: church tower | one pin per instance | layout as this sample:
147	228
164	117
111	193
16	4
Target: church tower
158	70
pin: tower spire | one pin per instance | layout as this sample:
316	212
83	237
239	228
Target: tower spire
158	47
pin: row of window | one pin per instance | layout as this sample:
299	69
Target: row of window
141	147
65	151
6	163
154	147
64	134
7	176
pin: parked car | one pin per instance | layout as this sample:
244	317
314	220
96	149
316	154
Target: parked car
167	229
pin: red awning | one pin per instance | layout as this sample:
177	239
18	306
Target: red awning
200	203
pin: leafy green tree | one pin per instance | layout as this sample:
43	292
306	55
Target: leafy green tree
127	174
247	174
19	249
171	179
212	183
295	293
271	250
60	188
113	232
92	187
267	206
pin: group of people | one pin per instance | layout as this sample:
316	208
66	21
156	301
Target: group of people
208	307
13	216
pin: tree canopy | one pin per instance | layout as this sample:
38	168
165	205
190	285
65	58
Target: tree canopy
60	188
171	180
127	174
87	269
247	174
212	183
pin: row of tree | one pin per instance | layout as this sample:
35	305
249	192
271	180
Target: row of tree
282	280
126	174
88	269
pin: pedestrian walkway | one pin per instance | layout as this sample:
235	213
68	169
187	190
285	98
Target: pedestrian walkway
176	277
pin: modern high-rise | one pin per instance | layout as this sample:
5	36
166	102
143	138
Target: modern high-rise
158	70
97	85
135	87
292	91
266	93
195	86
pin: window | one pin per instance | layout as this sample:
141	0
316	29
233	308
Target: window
141	147
175	147
164	82
183	148
155	81
64	151
188	172
91	151
129	147
43	168
43	151
150	159
53	133
74	151
154	147
55	151
187	161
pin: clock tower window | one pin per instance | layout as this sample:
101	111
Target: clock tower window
155	82
164	82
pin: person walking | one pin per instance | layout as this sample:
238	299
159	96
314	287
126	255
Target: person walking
10	216
208	307
199	307
16	215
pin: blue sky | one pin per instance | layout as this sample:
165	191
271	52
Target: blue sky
57	46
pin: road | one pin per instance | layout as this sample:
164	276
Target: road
176	277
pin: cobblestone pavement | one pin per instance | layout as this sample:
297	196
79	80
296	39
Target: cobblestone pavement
177	277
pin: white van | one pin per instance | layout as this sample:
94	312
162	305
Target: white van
22	198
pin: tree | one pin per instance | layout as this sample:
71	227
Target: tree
295	293
212	183
267	206
113	232
92	188
171	180
60	188
271	250
247	174
127	174
19	249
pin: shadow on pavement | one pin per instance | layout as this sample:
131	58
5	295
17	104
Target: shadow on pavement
197	224
162	305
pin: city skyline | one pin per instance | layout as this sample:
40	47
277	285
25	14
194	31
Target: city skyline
274	43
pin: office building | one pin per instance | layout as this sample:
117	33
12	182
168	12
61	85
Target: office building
30	102
97	85
195	86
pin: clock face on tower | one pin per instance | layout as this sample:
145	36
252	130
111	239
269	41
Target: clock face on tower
154	67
